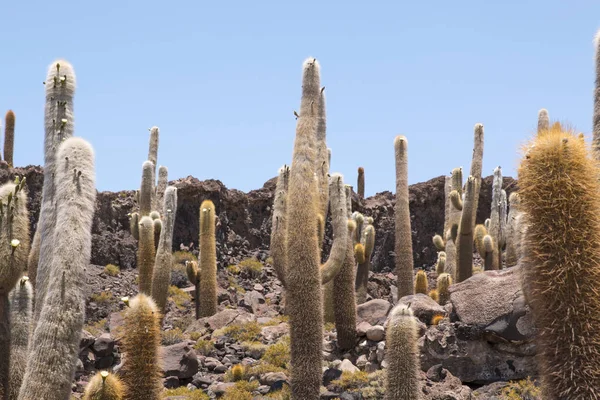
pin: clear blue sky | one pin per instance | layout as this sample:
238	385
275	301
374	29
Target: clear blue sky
222	78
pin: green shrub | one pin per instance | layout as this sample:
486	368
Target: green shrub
97	328
350	381
521	390
246	332
197	394
251	266
195	335
172	337
278	354
204	347
179	297
102	298
180	257
112	270
241	391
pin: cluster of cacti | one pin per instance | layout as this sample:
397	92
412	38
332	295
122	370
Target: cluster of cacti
456	240
559	195
402	355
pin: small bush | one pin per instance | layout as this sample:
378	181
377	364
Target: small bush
180	257
112	270
183	322
102	298
195	335
522	390
234	284
350	381
247	332
278	354
269	260
172	337
197	394
204	347
179	297
233	269
251	266
254	349
241	391
97	328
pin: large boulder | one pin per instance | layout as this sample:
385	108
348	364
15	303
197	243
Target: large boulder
179	360
221	319
423	307
373	312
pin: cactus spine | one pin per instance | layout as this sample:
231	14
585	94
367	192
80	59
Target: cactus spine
344	299
208	260
21	308
141	372
464	242
9	137
421	284
402	354
58	126
61	320
161	277
303	277
146	255
403	244
14	246
360	184
104	386
560	199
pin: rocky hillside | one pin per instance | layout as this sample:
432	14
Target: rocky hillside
244	219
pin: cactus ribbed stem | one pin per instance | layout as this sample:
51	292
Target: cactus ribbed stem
464	243
146	189
344	298
208	260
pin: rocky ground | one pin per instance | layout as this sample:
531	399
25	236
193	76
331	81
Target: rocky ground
476	347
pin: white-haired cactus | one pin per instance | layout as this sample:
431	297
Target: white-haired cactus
403	243
402	355
21	308
58	126
543	120
512	231
163	181
58	331
161	277
367	242
146	189
496	217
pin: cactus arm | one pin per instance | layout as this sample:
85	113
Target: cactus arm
278	248
339	215
464	243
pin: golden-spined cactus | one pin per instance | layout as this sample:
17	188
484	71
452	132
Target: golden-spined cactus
421	284
104	386
560	197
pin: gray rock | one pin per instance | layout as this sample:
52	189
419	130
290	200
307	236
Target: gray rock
270	378
103	345
362	328
347	366
373	312
221	319
443	386
423	307
376	333
219	388
252	301
272	333
179	360
87	340
361	361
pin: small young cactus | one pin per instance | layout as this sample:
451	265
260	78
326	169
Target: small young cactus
146	255
433	293
360	184
9	137
440	265
104	386
142	372
421	284
208	260
157	229
403	244
443	283
193	275
402	355
439	243
161	278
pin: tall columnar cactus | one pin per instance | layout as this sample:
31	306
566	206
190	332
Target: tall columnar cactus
464	242
403	244
560	199
421	284
161	277
476	166
153	158
146	189
322	161
33	258
303	277
104	386
58	126
54	346
193	275
443	283
9	137
141	372
360	184
543	120
402	355
146	255
596	115
362	271
14	246
163	181
453	221
512	229
208	260
21	308
278	247
134	225
344	298
496	225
